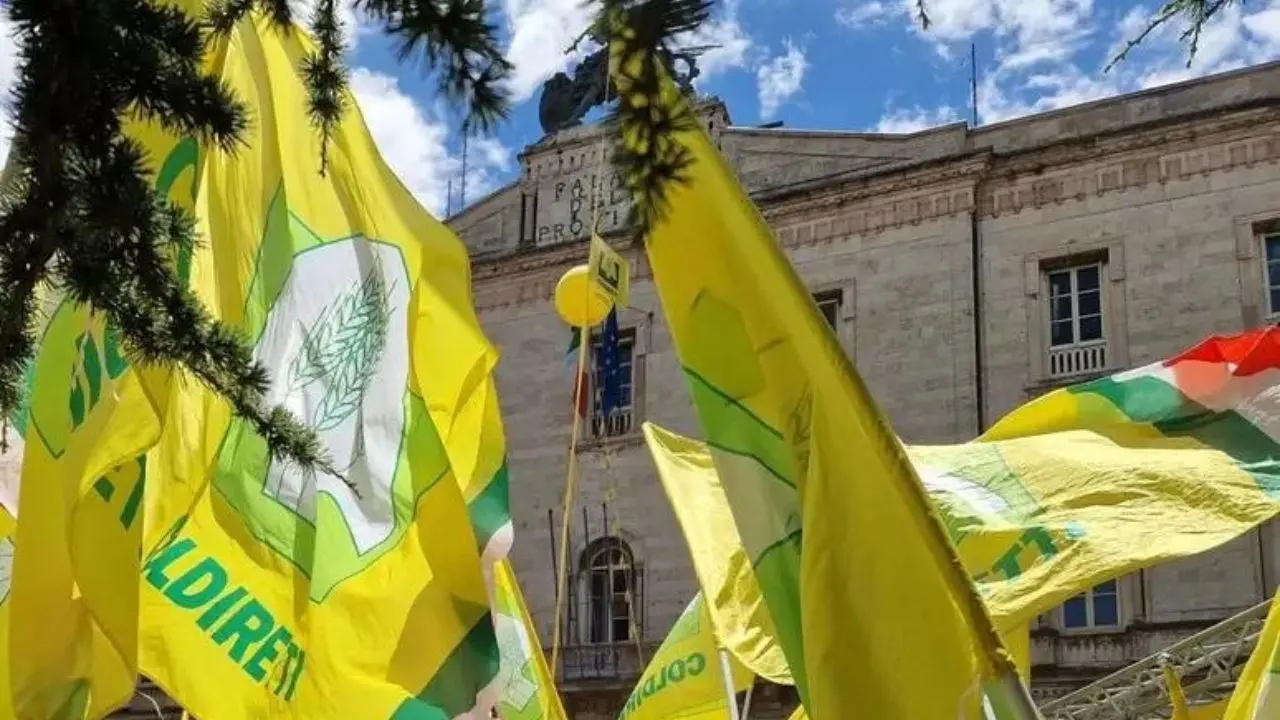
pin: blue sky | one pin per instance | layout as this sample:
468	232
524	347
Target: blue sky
860	65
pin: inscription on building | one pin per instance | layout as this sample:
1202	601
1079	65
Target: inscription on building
564	211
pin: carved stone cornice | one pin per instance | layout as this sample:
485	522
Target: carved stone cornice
814	197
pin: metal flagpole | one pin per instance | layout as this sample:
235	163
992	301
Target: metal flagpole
726	672
746	702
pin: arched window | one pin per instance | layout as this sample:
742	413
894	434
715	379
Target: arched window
610	580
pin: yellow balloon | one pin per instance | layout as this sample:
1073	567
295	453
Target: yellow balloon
581	302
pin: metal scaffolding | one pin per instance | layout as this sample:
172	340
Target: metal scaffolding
1208	663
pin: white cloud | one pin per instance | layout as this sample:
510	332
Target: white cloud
8	77
413	140
1050	54
909	120
728	40
352	27
780	77
865	14
541	31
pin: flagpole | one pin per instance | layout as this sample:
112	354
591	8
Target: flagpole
746	702
1010	699
726	672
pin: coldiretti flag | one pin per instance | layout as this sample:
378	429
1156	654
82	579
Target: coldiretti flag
1058	495
802	449
684	678
736	608
1257	692
278	593
528	693
741	620
8	497
74	609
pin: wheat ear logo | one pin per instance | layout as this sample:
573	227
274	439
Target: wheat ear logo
335	342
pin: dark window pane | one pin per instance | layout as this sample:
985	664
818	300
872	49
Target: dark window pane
1273	273
1074	613
1062	333
1275	300
1090	302
1105	588
1090	328
1273	248
1106	610
621	629
1087	278
1060	308
1059	283
599	586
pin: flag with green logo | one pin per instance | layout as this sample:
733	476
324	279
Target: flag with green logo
274	592
684	678
528	691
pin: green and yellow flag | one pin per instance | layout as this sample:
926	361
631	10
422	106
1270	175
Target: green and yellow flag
88	420
684	678
1257	692
804	452
272	592
528	692
8	524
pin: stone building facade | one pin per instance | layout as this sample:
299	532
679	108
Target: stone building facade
1149	221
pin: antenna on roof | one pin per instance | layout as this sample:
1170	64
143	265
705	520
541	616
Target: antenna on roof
973	82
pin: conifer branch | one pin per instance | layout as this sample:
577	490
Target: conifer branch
650	113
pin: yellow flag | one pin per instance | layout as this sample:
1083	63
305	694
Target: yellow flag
724	571
610	271
528	692
741	619
1177	698
277	593
684	678
7	527
877	599
1257	692
89	421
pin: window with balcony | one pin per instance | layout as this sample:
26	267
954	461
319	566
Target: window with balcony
611	592
1096	609
1077	336
620	421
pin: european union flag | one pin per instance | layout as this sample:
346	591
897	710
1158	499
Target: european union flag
610	366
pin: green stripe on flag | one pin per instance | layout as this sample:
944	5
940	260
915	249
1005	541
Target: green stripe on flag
491	509
471	667
756	471
1153	400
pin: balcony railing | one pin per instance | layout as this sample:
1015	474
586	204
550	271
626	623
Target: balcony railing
618	424
1077	359
604	662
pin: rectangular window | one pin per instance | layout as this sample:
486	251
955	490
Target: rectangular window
1097	609
621	420
1077	342
829	305
1271	269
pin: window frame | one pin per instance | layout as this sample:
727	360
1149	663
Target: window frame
1089	597
1273	313
628	337
1072	271
609	547
834	299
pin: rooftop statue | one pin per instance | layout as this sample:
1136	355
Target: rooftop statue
566	100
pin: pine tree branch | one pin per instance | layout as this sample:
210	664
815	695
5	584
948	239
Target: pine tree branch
648	117
1196	12
455	39
79	211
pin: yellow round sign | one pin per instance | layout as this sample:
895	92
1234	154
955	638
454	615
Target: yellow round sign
581	302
